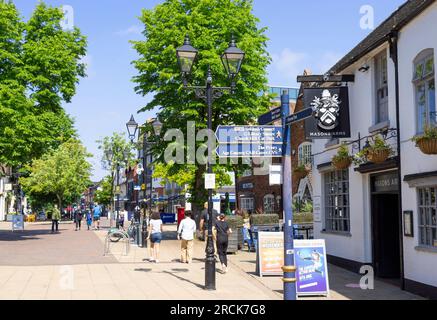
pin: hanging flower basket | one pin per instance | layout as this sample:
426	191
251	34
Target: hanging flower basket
428	146
343	159
342	164
378	156
427	142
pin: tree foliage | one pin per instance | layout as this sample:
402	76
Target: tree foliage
104	193
39	70
210	25
63	174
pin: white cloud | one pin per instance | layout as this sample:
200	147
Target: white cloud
327	61
135	29
288	64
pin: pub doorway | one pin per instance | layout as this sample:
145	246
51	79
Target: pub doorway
385	226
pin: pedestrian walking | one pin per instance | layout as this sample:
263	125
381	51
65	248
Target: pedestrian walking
121	220
223	231
204	223
78	219
96	216
155	235
186	231
56	216
89	220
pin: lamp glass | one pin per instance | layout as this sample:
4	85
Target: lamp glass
132	127
186	56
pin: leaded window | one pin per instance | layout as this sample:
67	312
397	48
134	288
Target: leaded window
428	216
424	82
337	207
247	204
269	204
305	154
381	74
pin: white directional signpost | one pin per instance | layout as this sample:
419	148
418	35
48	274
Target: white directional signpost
249	141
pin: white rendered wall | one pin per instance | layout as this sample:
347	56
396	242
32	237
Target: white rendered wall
420	34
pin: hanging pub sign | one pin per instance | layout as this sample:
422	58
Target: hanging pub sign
331	113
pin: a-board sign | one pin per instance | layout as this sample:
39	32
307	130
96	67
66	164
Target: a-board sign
270	253
18	222
310	260
312	268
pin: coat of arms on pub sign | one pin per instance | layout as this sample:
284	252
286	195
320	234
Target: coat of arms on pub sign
331	113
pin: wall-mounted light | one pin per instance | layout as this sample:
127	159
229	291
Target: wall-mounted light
364	68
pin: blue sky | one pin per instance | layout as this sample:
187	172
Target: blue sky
311	34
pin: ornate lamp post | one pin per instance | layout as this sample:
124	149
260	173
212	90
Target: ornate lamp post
232	60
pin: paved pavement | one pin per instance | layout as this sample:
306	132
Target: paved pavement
71	265
37	246
344	285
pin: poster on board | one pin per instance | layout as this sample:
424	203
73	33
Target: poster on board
270	254
312	269
18	222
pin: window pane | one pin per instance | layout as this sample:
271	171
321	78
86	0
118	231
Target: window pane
431	103
433	216
429	66
418	74
434	237
421	107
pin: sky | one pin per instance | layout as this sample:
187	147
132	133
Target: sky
310	34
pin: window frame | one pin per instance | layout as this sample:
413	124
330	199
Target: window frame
424	210
333	220
244	202
272	203
424	80
381	87
304	154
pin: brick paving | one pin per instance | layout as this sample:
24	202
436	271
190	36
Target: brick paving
37	246
70	265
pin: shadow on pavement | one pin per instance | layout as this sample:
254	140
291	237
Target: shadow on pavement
27	235
183	279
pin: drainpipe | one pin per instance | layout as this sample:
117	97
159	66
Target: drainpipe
393	40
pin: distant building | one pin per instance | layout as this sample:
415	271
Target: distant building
254	193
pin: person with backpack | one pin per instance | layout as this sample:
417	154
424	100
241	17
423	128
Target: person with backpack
96	217
78	219
89	220
56	217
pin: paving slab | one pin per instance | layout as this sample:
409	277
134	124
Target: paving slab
37	246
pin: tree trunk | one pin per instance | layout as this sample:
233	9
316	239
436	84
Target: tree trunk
199	194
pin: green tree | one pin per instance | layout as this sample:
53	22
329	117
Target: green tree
40	66
210	24
63	174
122	155
104	193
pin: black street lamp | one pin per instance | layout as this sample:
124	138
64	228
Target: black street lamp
132	128
232	60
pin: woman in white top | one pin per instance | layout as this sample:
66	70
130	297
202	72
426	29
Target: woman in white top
155	235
